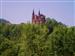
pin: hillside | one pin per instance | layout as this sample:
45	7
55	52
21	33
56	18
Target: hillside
4	21
50	39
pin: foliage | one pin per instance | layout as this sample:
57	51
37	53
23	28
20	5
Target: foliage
50	39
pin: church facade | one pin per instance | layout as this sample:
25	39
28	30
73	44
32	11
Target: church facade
38	19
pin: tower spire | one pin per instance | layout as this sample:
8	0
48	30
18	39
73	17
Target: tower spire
33	12
39	12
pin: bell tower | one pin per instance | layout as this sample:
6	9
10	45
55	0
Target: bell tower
33	15
38	19
39	13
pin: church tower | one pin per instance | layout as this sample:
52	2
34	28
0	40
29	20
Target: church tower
38	19
39	13
33	15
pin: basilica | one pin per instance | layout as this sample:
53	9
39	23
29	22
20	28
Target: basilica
38	19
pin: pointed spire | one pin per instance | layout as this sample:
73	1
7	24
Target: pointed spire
39	12
33	12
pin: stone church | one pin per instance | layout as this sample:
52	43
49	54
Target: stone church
38	19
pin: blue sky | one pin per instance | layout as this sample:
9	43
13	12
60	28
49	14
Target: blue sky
38	0
18	12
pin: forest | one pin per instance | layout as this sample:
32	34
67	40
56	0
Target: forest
50	39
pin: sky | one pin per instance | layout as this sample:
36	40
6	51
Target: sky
20	11
38	0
